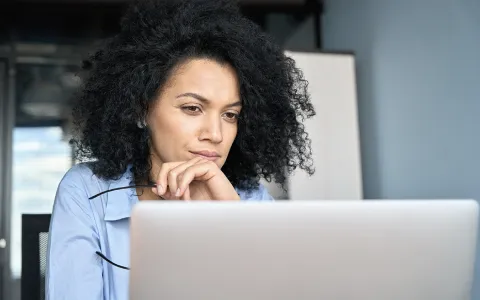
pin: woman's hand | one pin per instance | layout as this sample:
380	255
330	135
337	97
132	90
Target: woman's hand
196	179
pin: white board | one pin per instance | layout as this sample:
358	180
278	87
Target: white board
334	130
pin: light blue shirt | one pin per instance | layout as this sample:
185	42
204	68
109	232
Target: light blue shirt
79	227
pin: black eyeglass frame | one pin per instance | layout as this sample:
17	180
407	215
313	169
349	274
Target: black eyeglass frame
111	262
111	190
122	188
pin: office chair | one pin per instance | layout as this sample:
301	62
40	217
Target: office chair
34	255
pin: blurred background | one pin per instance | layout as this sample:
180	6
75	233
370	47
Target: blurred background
417	72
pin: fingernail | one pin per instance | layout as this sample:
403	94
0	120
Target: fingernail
160	189
177	194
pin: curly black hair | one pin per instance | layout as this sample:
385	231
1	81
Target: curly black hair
126	73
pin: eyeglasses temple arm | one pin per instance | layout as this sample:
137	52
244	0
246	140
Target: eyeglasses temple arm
121	188
103	256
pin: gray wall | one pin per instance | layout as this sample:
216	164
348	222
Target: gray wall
419	94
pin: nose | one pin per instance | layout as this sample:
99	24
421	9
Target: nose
212	130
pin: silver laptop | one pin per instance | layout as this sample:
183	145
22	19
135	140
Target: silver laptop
303	250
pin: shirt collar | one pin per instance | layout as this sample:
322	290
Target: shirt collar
119	204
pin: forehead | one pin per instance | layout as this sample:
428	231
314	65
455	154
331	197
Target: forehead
208	78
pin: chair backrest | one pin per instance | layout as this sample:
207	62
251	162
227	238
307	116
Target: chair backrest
34	255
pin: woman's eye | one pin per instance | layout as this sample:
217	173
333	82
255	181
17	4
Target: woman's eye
231	116
192	109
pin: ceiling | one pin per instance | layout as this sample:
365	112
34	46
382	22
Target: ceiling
249	2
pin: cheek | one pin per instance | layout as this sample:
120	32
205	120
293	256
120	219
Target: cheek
170	135
231	134
171	126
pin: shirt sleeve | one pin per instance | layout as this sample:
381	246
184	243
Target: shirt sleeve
73	271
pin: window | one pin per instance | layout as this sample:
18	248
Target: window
40	159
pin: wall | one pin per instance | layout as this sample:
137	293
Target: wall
418	72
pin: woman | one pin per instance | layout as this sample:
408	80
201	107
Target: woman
189	101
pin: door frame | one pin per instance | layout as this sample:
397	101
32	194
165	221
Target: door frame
7	123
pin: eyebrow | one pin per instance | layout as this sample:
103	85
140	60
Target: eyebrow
203	99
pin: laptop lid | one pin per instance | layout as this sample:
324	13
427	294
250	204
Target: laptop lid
286	250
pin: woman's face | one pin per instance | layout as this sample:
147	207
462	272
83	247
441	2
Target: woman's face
196	113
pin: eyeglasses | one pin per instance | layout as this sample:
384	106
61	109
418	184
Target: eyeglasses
111	262
123	188
111	190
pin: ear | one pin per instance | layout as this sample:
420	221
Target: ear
142	124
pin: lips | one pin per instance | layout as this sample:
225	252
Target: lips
209	155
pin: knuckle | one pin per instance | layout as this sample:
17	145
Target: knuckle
211	164
169	166
163	172
166	166
187	171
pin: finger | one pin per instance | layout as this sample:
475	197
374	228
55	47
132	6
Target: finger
161	180
162	177
162	195
201	171
186	195
172	175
